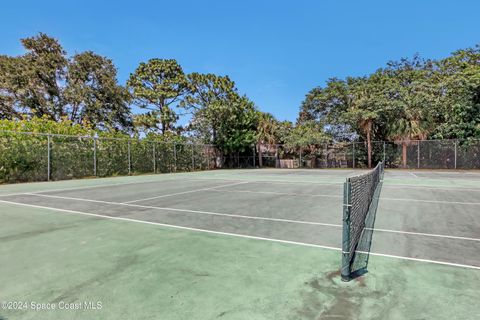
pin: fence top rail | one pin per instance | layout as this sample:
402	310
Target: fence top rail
328	145
416	141
102	138
344	144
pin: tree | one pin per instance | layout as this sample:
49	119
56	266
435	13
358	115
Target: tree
45	83
209	94
11	84
307	135
367	104
45	70
458	85
32	83
413	100
159	86
220	115
93	95
235	122
266	132
328	106
237	131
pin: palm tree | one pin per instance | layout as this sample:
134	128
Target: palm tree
410	125
365	106
266	133
413	102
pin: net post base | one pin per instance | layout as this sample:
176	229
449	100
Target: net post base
346	278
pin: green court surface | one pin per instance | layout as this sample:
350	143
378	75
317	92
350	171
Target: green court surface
237	244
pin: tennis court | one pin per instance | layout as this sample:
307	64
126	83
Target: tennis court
241	244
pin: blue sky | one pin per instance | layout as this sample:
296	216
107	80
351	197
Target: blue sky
276	51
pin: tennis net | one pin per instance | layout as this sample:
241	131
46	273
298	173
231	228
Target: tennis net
359	193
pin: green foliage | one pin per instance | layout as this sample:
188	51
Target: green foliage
208	89
307	135
220	115
44	82
409	99
458	79
45	125
268	129
210	95
24	150
159	86
93	95
238	123
412	99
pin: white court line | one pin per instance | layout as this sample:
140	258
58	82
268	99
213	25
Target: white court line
174	180
436	180
170	225
424	234
186	210
300	182
253	217
185	192
409	186
240	235
86	187
413	174
281	193
431	201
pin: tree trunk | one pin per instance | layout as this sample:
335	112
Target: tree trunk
369	147
163	127
404	154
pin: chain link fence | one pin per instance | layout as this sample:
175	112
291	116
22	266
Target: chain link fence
43	157
424	154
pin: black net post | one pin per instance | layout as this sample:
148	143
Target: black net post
345	271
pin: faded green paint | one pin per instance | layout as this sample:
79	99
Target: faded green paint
143	271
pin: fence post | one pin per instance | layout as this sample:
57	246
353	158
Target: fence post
353	155
174	156
326	156
95	155
384	153
193	157
456	142
300	155
48	157
129	159
254	155
208	156
418	154
154	159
